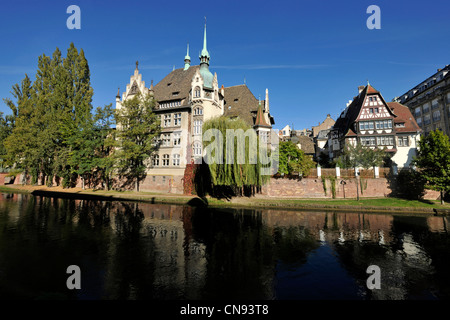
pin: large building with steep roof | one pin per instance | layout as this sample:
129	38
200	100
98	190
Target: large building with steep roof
185	99
375	123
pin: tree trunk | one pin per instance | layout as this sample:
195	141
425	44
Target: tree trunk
442	197
357	187
136	188
82	182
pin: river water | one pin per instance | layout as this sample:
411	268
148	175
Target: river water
131	250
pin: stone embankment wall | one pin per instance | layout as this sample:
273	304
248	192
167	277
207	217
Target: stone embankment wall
344	188
276	188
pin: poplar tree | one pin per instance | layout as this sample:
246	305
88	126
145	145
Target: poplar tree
138	128
21	143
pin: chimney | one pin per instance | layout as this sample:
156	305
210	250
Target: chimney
360	88
266	107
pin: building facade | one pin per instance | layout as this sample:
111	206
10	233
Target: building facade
429	102
185	99
372	122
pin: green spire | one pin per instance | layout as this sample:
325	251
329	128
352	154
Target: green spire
187	59
205	53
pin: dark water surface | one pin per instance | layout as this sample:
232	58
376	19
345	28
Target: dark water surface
129	250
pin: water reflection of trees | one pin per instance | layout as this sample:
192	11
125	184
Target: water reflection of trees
129	250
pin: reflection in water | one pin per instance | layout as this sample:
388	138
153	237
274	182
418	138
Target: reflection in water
130	250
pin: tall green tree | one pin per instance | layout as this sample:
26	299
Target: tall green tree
433	161
21	144
292	159
138	129
6	126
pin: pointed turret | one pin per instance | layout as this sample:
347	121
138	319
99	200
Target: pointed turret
260	120
204	56
204	64
187	59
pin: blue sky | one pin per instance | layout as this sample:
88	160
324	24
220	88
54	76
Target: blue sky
311	55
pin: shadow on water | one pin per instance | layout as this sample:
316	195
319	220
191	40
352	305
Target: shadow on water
131	250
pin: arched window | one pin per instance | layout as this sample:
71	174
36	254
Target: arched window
197	92
198	111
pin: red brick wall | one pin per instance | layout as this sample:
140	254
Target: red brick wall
313	188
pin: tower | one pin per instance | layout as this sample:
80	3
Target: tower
204	65
187	59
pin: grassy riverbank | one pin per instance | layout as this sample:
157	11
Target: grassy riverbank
366	205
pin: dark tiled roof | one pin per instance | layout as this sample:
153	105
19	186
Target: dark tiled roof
307	145
242	102
179	81
403	115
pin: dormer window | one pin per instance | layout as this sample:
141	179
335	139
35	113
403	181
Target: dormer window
169	84
175	93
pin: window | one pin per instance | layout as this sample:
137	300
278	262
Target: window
197	92
198	111
155	161
165	160
427	119
376	110
197	149
434	104
403	141
371	110
177	119
385	141
167	120
417	112
368	141
154	178
436	115
198	126
419	122
370	99
366	125
176	138
166	140
264	136
176	160
426	107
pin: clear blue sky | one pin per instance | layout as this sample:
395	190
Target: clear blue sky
311	55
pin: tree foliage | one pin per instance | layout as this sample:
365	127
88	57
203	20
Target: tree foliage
292	159
355	156
433	161
54	132
239	163
138	130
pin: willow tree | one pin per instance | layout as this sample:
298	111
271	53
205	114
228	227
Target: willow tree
138	128
233	153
